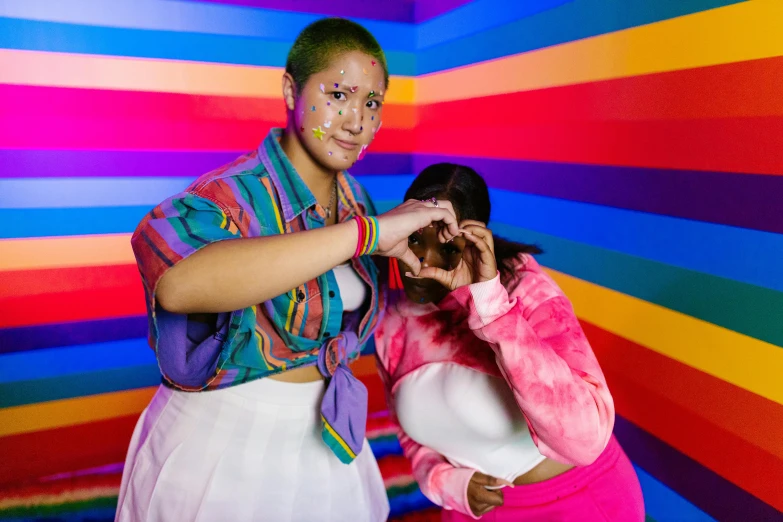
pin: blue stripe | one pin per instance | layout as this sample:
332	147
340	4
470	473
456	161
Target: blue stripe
477	16
195	17
57	362
750	256
688	292
569	22
88	192
39	222
241	50
387	188
664	505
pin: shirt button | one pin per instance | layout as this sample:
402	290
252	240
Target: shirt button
300	296
331	293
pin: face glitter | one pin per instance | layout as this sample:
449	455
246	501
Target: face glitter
312	108
354	88
318	133
340	113
328	123
336	85
372	93
322	87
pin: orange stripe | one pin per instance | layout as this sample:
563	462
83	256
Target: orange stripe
22	254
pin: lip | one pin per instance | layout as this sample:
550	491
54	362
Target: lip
347	145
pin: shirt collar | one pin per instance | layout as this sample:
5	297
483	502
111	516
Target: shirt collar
294	195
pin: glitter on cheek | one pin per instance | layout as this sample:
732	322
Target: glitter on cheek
322	87
312	108
342	72
364	71
340	113
373	118
336	85
328	103
330	152
373	63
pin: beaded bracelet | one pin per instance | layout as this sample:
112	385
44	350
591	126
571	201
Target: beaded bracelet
368	236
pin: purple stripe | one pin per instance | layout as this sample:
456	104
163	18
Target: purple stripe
742	200
383	164
109	163
398	11
704	488
67	334
428	9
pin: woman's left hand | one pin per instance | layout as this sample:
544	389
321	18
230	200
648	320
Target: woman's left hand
478	259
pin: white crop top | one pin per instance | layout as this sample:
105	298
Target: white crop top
467	416
353	291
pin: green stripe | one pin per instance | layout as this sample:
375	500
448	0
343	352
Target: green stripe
395	491
37	511
744	308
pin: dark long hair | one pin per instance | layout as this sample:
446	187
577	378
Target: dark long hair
469	195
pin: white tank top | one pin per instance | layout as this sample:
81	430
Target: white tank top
467	416
352	289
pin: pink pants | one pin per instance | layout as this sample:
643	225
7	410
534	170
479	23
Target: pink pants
605	491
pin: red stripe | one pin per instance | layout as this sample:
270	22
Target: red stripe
117	134
392	466
32	455
80	305
98	119
21	101
744	414
750	145
733	90
19	283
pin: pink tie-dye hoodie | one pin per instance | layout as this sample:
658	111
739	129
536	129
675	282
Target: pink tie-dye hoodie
527	334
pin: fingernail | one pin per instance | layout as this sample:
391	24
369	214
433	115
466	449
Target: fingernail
409	274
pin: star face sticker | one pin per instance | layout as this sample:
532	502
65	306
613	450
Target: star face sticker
372	93
318	133
336	85
354	88
364	71
312	108
328	123
322	87
373	63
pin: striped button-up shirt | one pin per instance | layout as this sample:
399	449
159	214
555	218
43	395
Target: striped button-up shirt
259	194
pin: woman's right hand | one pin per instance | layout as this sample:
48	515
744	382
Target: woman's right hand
481	499
400	222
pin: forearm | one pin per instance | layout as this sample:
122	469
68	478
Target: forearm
238	273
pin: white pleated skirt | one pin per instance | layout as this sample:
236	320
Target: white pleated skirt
252	452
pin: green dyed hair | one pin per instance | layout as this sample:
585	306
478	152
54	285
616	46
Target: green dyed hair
323	40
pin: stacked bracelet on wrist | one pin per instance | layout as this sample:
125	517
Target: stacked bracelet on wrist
368	236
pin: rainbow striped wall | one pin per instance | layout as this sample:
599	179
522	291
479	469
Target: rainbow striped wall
638	142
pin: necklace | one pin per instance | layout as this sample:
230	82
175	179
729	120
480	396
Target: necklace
331	199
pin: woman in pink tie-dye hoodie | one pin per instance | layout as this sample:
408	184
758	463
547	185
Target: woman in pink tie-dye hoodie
503	408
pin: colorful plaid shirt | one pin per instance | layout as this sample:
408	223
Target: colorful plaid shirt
259	194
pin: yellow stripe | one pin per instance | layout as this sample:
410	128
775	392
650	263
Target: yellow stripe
268	186
59	252
741	360
290	311
70	412
338	438
367	232
739	32
141	74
